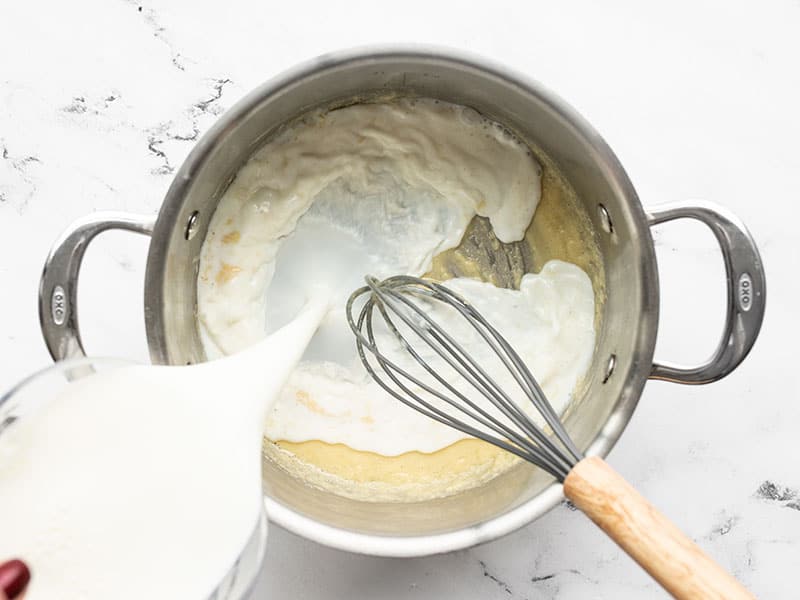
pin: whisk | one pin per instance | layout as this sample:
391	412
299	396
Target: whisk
442	386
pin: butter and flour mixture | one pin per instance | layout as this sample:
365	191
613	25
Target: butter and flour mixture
380	189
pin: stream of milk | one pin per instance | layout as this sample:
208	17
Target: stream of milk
143	481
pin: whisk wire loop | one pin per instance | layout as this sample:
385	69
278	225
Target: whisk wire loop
453	355
392	369
419	403
519	370
395	298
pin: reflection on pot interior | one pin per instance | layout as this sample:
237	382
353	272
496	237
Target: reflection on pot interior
414	186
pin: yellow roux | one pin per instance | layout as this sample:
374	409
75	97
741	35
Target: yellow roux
560	230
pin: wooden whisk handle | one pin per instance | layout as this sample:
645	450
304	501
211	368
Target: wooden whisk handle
646	535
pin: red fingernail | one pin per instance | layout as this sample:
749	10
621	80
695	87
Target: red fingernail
14	577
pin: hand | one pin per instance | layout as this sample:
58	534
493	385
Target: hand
14	578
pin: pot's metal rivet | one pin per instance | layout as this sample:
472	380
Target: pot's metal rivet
191	226
612	362
605	219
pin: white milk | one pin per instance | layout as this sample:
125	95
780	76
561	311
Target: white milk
142	481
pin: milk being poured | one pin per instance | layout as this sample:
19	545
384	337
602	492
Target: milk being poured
143	481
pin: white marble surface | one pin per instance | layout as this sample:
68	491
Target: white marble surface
100	100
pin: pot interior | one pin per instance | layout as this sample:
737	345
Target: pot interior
624	276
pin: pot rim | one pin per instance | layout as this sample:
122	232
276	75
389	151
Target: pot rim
416	545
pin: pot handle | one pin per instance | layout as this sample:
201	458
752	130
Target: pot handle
58	287
747	292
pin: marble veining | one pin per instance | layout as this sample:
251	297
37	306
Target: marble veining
18	184
159	32
493	578
785	496
185	128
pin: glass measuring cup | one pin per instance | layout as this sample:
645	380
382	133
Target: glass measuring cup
33	394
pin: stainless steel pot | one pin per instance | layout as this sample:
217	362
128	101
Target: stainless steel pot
623	359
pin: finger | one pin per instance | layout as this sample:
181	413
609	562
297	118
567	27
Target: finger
14	578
